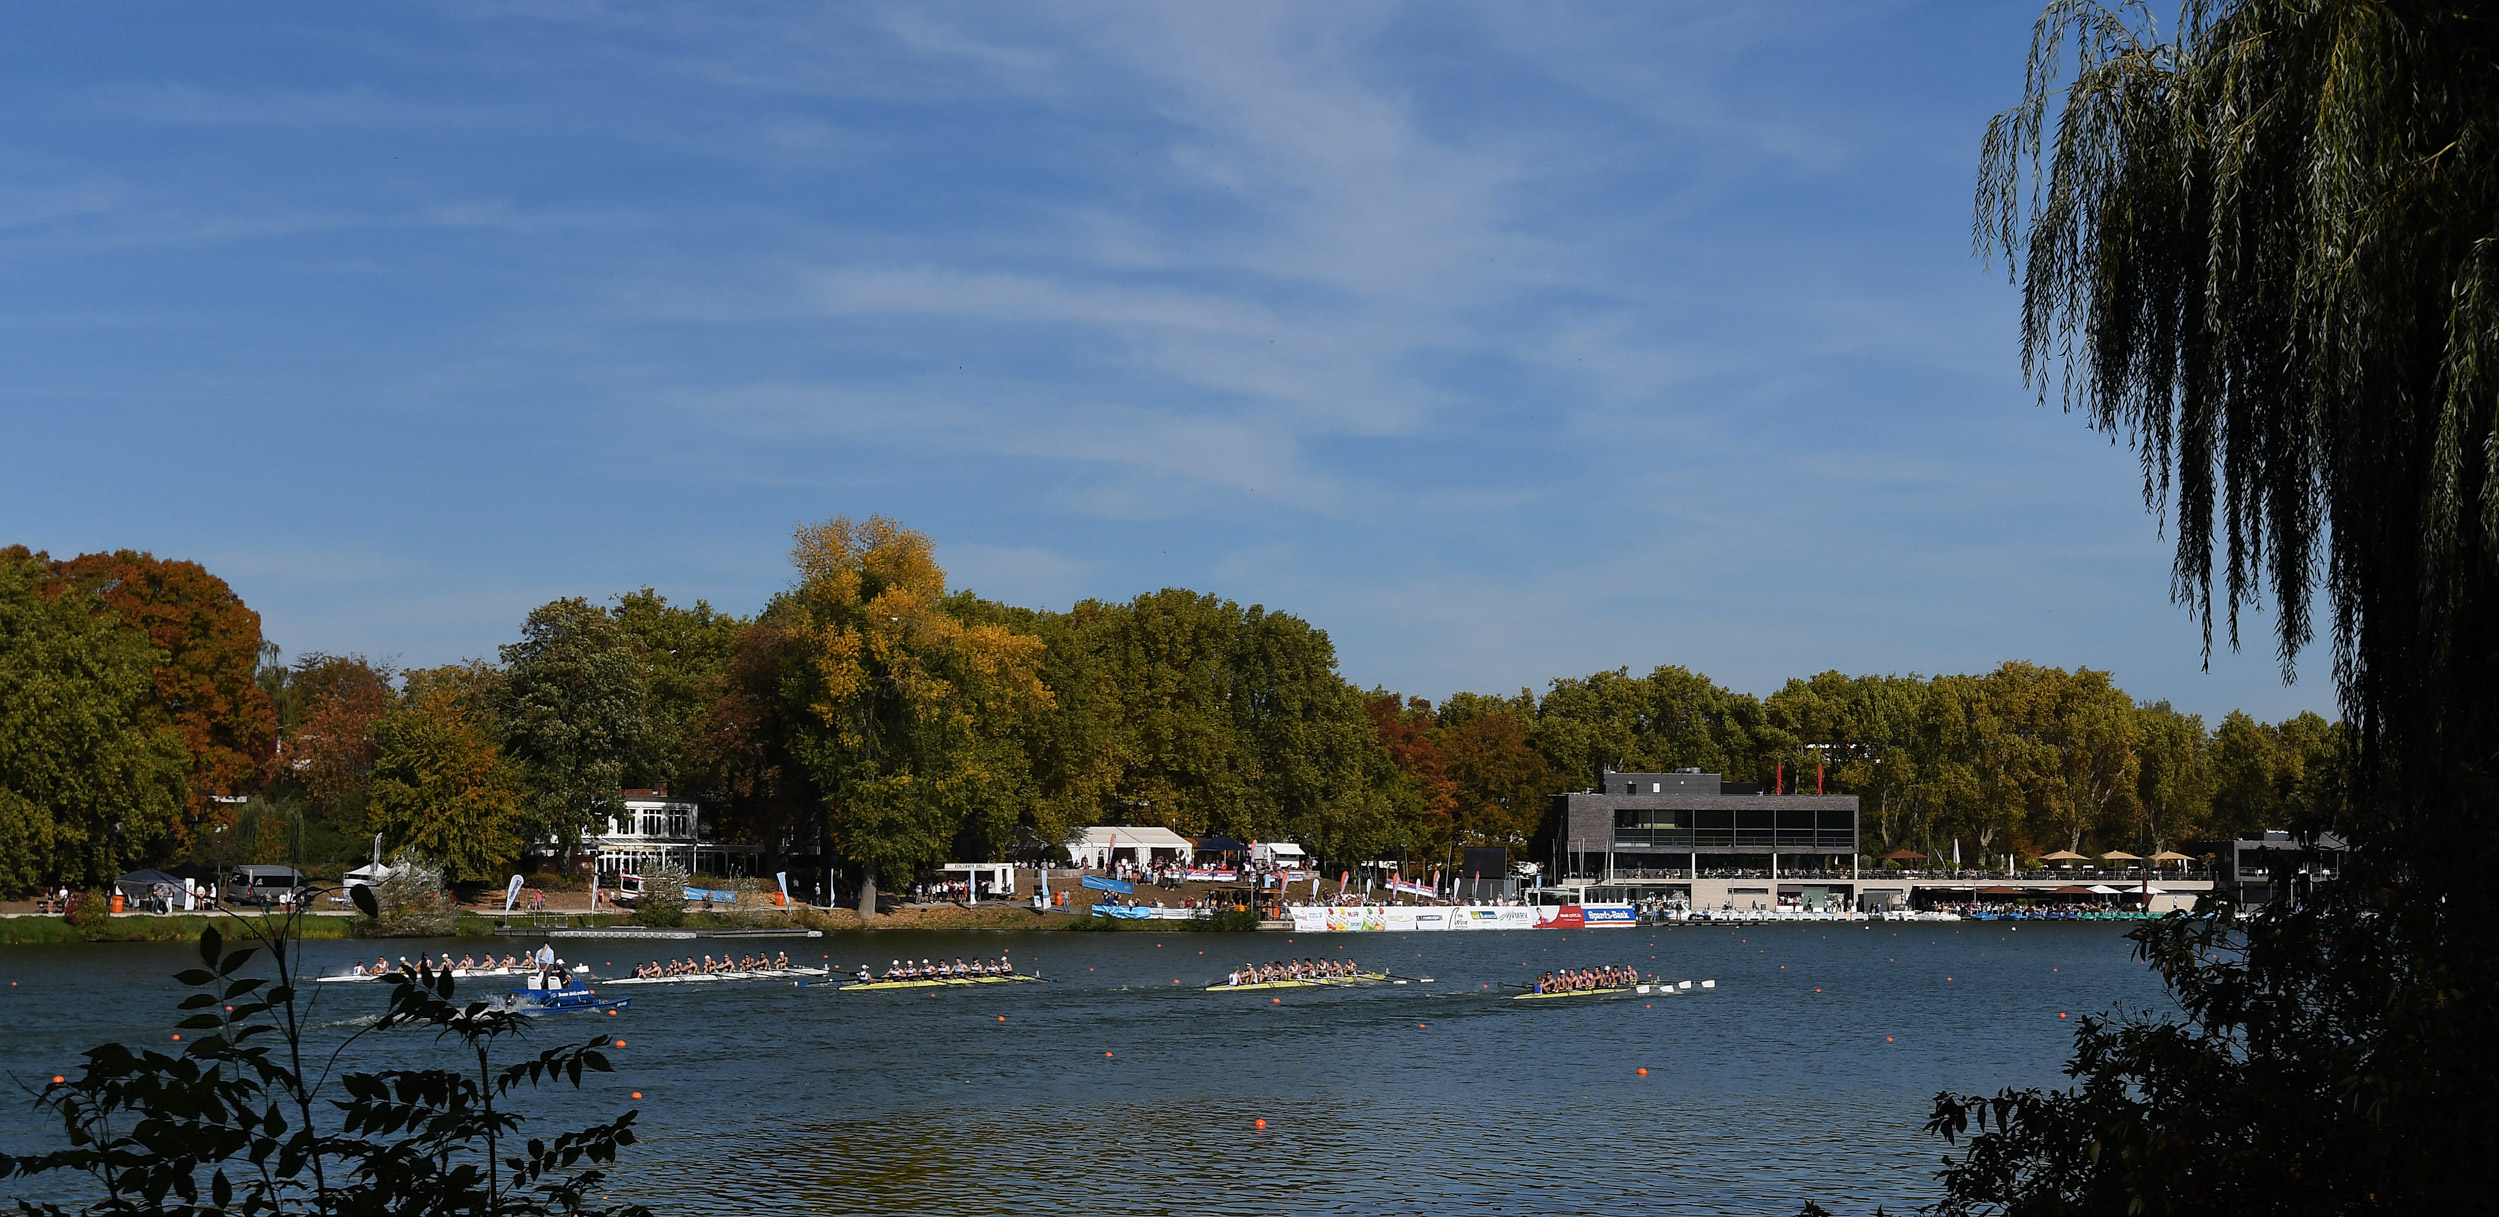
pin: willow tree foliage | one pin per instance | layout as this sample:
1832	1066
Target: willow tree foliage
2258	243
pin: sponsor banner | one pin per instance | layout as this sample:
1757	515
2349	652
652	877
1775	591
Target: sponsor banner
1122	886
1411	889
1122	912
1585	916
1356	919
1213	876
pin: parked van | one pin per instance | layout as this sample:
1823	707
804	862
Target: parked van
262	883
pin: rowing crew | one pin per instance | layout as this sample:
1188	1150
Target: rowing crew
1574	981
930	969
710	967
382	966
1292	969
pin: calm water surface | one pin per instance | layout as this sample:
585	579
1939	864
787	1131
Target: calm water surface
1805	1075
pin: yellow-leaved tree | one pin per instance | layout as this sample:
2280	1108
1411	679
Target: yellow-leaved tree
905	713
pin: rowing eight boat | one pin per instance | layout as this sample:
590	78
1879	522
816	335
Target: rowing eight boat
696	978
1571	993
1359	978
938	982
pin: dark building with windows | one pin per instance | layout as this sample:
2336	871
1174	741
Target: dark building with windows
1649	830
2274	865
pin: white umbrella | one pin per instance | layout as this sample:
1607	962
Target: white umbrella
2102	889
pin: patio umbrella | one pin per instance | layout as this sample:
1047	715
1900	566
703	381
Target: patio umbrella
1903	855
2119	855
2102	889
2063	855
2169	856
2071	890
2000	891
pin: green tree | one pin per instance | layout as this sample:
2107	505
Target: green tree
907	713
2265	240
441	789
2175	788
92	772
2246	766
575	714
685	654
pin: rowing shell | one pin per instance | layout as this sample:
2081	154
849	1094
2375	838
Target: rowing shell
366	978
1571	993
1359	978
696	978
940	982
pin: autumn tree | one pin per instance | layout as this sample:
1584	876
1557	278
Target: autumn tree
334	702
1503	784
93	775
907	712
441	789
206	682
1408	735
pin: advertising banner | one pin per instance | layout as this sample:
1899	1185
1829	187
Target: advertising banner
1122	886
1357	919
1213	876
1585	916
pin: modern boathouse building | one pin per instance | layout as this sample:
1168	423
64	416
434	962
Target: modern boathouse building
1695	836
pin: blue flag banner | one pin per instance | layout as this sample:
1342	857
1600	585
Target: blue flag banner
1122	886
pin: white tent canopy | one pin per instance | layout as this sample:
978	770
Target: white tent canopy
1277	853
1094	847
370	872
2102	889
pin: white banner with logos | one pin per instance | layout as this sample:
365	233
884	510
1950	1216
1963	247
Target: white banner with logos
1401	919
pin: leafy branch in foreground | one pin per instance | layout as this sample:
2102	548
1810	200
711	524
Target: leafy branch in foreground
239	1122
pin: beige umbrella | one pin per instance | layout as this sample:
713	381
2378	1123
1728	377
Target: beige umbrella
2170	856
2119	855
2063	855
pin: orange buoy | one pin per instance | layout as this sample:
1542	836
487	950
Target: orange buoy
1262	1123
58	1078
1106	1054
1644	1071
2060	1014
177	1039
1002	1018
1887	1039
1275	1001
637	1094
620	1043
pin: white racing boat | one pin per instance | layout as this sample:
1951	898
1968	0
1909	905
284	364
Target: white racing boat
366	978
701	978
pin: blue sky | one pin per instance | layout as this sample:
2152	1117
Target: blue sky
1501	342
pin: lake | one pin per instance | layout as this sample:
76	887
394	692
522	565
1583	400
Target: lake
1806	1074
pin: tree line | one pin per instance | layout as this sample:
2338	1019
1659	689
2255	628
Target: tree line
874	711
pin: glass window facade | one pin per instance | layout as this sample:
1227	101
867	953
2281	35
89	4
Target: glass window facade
1765	829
